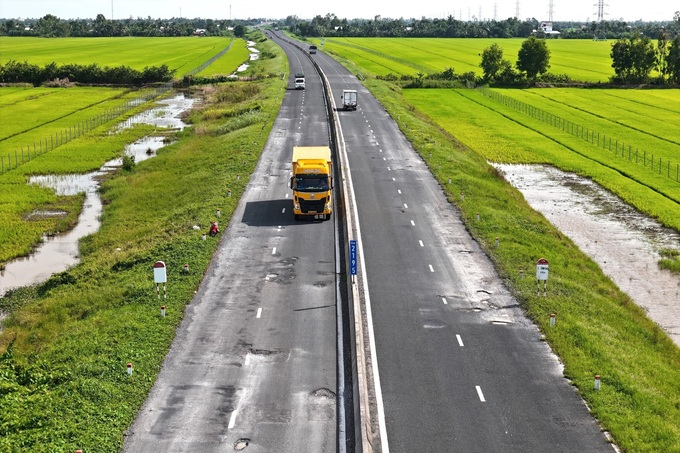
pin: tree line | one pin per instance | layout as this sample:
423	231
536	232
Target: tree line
450	27
51	26
18	72
633	60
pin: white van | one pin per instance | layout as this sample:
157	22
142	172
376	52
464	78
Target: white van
299	81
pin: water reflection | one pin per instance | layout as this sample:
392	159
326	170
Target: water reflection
58	253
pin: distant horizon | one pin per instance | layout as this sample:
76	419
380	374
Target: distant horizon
310	18
484	10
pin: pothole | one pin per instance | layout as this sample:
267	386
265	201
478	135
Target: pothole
323	393
241	444
289	261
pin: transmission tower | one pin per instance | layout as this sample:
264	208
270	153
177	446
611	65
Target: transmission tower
600	34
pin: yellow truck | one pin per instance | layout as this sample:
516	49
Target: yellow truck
312	182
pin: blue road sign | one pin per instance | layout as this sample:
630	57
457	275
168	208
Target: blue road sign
353	257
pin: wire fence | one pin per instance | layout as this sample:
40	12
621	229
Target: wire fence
655	163
211	61
24	154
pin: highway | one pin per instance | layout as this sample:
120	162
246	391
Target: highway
460	366
254	362
454	365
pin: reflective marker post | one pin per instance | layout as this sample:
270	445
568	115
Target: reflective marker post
160	276
542	274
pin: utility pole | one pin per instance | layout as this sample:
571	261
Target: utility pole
600	34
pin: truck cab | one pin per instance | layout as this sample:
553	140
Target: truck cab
312	182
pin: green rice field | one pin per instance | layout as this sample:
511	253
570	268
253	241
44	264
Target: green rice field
583	60
181	54
230	61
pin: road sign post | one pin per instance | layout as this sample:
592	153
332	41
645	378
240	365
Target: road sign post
353	258
542	275
160	277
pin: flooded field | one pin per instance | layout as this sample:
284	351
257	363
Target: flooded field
58	253
623	242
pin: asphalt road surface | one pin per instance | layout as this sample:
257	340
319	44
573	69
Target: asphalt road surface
253	367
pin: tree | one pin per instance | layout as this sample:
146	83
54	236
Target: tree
633	59
673	61
239	31
492	61
662	54
533	57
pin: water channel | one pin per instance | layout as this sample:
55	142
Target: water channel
59	252
622	241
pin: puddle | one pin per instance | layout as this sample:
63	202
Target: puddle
58	253
623	242
254	55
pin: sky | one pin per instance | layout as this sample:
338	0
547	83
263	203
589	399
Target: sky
562	10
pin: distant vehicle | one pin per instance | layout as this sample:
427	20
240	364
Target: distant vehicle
299	81
312	182
349	99
312	49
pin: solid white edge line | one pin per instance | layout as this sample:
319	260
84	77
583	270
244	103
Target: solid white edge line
460	340
480	394
369	317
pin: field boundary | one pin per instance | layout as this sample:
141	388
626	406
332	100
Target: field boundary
619	148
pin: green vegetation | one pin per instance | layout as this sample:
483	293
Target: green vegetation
599	329
65	345
227	63
583	60
670	260
180	54
503	134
